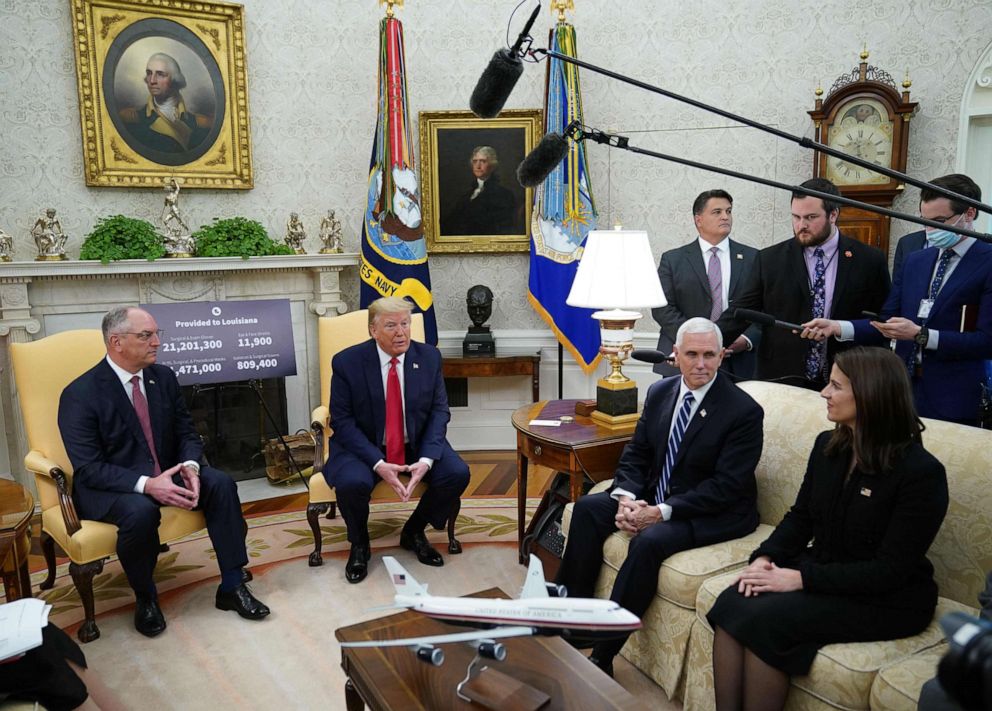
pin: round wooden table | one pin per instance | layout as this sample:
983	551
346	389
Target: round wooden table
16	509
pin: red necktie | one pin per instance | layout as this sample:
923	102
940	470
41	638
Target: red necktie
141	409
394	416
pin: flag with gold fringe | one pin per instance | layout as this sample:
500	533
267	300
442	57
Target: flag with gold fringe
564	213
394	252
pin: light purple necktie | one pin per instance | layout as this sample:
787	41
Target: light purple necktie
141	409
715	276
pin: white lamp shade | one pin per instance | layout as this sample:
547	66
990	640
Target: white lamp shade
617	271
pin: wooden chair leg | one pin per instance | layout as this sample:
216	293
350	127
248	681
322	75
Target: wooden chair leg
48	548
82	576
333	506
454	547
313	517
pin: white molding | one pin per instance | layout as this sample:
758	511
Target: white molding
126	267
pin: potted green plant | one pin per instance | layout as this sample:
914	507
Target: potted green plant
119	237
236	237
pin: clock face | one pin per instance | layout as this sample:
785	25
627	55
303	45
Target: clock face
863	129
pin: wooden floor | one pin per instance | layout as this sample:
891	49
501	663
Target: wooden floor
493	475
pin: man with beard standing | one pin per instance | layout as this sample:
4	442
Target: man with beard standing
818	274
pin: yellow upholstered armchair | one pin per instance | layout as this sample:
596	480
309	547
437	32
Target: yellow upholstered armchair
42	369
334	335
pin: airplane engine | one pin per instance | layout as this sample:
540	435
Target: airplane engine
556	590
430	655
492	650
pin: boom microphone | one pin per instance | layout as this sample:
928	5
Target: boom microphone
763	319
646	355
500	76
549	152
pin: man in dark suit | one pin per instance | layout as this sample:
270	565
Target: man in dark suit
907	244
389	416
686	479
133	449
939	313
703	278
486	208
819	273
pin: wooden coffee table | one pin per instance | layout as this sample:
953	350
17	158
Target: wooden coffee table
387	678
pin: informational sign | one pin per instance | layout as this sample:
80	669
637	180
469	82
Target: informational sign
226	341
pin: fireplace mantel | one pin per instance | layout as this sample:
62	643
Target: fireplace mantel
38	299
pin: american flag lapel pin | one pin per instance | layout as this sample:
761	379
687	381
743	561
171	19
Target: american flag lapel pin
416	366
702	413
151	382
740	256
865	491
847	253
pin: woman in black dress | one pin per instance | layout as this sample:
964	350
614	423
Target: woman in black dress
871	502
55	675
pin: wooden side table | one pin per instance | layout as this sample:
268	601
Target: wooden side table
455	366
583	448
16	509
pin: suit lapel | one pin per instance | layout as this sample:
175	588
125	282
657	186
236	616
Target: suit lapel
800	274
111	385
695	258
667	412
411	388
698	421
153	394
738	263
845	265
377	396
972	260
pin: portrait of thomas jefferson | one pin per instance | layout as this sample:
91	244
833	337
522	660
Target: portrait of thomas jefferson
164	123
479	193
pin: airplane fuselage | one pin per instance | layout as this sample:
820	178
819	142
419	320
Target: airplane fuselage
557	613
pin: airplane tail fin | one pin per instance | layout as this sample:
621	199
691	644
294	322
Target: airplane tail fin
534	585
404	583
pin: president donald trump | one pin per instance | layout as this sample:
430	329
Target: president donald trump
389	416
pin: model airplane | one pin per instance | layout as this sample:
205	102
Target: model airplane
542	609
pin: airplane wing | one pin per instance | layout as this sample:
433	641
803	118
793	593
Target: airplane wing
472	636
534	584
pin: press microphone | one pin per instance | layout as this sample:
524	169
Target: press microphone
500	76
763	319
549	152
646	355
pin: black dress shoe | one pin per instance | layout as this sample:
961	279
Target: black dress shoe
417	542
358	563
605	666
148	617
243	602
246	576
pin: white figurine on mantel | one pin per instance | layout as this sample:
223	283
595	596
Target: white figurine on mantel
295	234
330	234
6	247
49	237
177	239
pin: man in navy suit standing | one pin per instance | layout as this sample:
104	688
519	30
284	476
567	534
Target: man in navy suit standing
938	315
389	416
134	449
686	479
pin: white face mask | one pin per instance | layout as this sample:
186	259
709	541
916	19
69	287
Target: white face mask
945	239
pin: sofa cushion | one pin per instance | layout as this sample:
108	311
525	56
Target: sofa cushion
897	686
843	674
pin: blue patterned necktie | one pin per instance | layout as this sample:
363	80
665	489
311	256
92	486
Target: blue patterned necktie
938	281
674	440
816	355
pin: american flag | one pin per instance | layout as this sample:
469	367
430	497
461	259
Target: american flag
399	579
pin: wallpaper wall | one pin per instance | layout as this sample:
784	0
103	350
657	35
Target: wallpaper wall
312	74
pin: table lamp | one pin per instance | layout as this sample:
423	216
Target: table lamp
617	274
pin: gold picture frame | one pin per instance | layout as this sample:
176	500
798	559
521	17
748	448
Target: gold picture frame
190	53
496	219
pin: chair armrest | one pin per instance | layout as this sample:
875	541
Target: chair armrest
38	463
320	414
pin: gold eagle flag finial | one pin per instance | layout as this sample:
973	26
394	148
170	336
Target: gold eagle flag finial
560	6
390	11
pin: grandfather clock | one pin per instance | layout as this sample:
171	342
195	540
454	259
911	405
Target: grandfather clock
864	115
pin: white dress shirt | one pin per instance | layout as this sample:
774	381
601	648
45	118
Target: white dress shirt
384	359
697	397
125	378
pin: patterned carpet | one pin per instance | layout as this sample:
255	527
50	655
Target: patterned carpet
278	530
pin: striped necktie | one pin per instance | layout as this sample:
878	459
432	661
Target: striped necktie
674	440
938	281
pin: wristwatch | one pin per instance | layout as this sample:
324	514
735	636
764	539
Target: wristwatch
922	337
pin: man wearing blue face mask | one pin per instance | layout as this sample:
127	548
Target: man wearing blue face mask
938	316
